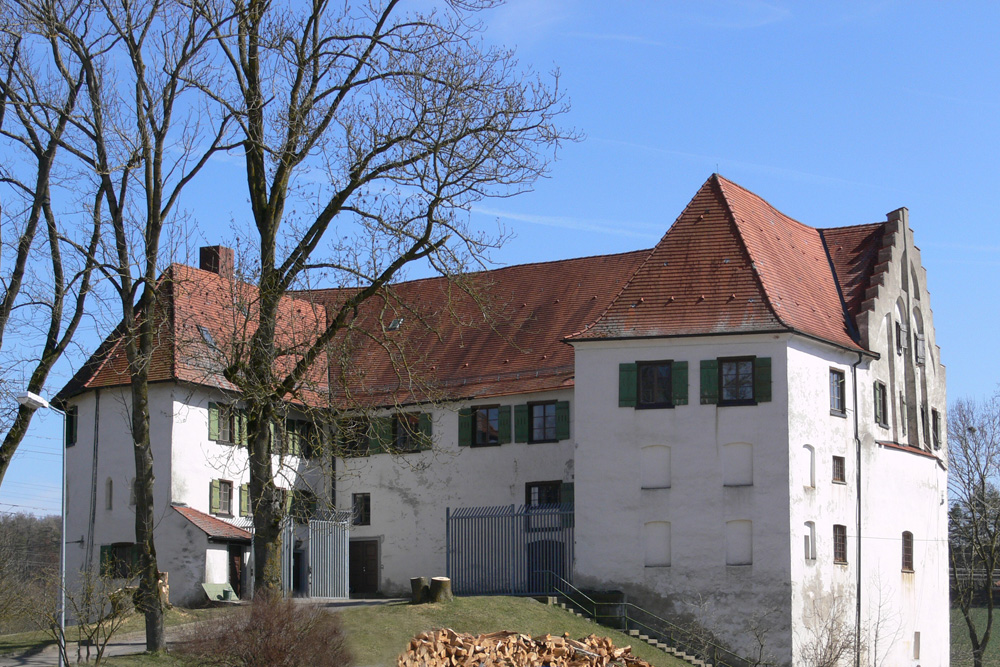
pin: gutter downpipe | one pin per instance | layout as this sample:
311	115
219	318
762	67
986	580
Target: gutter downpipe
857	482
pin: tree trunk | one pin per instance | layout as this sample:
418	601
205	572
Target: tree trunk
441	590
420	588
150	601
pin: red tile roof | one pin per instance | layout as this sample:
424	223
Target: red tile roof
216	529
732	263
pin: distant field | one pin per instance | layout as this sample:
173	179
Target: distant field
961	646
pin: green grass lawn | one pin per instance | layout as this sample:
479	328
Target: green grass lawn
378	634
961	645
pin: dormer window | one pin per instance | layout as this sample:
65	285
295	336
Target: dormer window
395	324
207	337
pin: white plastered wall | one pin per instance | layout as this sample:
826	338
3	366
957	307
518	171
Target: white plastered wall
612	508
410	493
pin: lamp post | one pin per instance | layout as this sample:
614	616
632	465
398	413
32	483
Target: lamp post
36	402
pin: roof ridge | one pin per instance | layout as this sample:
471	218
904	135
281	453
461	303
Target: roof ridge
741	239
489	271
639	268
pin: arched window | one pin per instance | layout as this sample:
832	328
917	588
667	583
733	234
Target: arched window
109	492
810	540
656	543
907	551
654	472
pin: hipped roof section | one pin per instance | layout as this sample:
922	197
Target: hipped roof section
733	264
730	264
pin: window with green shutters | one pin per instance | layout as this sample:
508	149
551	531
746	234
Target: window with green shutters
226	424
245	500
120	561
484	426
735	381
652	384
221	497
411	432
544	421
353	437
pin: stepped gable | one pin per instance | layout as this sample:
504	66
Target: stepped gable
731	263
445	348
854	254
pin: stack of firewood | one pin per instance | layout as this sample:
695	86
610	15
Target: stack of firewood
447	648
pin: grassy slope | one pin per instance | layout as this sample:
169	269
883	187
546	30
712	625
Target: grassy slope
377	635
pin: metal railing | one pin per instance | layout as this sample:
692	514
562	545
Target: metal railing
626	616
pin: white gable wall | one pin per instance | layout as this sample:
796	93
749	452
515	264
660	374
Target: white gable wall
612	508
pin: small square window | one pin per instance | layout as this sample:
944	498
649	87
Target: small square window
486	426
361	504
839	543
654	384
881	409
543	422
839	470
837	403
736	381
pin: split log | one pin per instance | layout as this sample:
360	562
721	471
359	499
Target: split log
441	590
420	588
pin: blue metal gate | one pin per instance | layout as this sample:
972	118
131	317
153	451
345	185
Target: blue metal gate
509	549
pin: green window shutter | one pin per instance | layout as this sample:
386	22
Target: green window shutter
465	427
627	383
241	427
503	424
424	425
289	498
709	381
380	435
213	421
213	498
293	445
679	378
762	379
244	500
562	420
521	419
106	560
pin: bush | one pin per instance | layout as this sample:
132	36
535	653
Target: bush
270	632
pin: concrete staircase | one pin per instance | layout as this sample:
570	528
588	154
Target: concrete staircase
655	642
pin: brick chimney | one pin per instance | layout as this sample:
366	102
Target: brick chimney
217	259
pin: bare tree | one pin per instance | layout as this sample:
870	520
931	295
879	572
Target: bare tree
367	133
138	139
46	296
974	521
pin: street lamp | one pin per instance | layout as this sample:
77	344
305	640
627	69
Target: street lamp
36	402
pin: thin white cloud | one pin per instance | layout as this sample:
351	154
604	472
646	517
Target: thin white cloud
646	231
720	164
619	37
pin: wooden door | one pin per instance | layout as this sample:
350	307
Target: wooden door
236	568
364	569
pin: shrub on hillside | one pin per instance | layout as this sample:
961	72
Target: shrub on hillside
270	632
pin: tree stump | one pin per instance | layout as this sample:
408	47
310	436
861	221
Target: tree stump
420	588
441	590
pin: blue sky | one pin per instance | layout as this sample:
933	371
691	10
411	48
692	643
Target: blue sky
836	113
